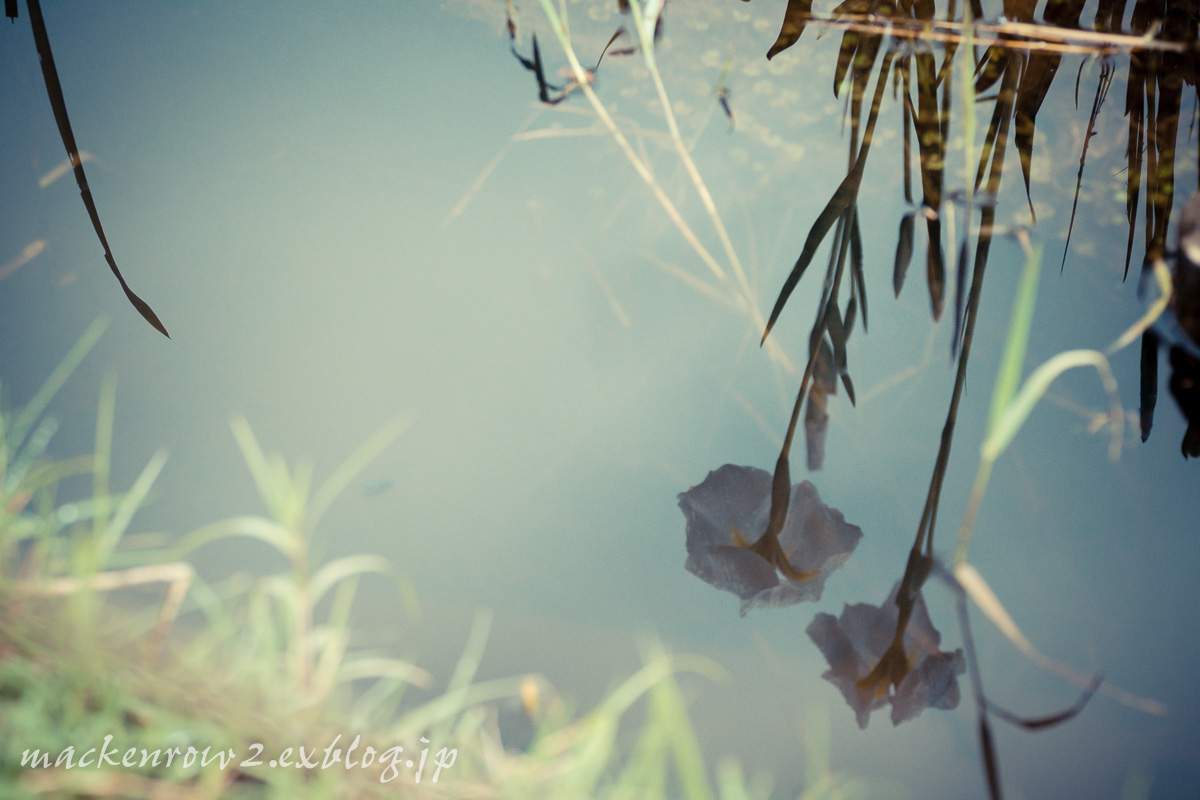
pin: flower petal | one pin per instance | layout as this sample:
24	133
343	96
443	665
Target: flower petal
846	664
934	683
730	498
730	510
856	643
734	569
815	536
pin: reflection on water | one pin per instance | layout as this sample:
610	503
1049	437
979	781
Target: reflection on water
1179	330
333	233
729	509
1020	65
862	637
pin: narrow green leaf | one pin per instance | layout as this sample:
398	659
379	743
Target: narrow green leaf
129	504
960	294
265	479
1015	345
261	528
331	574
37	405
349	469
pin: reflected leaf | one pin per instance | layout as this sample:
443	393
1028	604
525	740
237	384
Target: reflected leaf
1031	92
1185	388
851	313
816	416
1102	86
960	293
846	53
615	36
727	512
846	192
59	106
1050	720
1186	277
843	198
534	65
1181	331
833	324
935	268
793	25
856	643
904	251
856	267
1149	382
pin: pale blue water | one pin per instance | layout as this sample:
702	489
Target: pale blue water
280	185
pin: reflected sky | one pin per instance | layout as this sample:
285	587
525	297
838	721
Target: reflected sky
297	192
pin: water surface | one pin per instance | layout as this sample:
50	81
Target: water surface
343	213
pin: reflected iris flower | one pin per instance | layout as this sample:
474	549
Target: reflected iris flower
731	508
871	670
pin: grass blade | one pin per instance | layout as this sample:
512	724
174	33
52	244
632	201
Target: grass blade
1018	338
349	469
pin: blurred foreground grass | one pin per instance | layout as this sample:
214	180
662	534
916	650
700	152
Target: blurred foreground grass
111	686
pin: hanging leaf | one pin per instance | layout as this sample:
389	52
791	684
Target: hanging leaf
58	104
816	415
904	251
1049	721
846	194
794	19
960	293
1102	86
935	267
1031	92
837	335
856	269
837	204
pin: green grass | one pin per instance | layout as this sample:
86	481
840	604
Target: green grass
92	648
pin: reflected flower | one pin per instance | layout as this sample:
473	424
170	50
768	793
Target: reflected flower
872	670
730	510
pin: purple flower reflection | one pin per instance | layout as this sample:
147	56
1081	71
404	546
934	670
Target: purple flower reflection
916	677
729	511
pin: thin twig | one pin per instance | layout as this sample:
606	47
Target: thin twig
1035	37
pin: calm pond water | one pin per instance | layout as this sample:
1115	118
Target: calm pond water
342	213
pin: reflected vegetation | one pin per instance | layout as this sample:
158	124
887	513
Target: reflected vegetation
937	66
863	637
730	505
1180	332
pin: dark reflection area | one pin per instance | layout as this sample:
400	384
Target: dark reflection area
1018	66
1179	331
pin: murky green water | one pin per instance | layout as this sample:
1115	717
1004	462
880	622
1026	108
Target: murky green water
341	213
